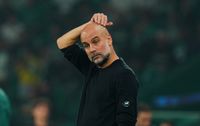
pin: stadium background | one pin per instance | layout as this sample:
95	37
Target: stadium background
159	39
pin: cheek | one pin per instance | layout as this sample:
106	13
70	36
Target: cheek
106	48
87	52
89	55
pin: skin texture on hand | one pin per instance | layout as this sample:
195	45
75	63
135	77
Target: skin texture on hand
101	19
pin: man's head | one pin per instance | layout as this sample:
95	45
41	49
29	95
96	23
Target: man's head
41	109
97	43
144	115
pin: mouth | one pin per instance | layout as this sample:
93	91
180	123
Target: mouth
95	56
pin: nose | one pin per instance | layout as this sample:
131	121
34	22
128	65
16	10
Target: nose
92	49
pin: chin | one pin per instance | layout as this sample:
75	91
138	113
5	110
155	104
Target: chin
98	61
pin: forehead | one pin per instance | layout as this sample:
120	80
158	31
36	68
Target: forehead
91	31
88	35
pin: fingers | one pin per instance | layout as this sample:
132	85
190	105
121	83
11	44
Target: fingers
109	23
98	18
101	19
104	21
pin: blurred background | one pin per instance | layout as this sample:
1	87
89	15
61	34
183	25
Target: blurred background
159	39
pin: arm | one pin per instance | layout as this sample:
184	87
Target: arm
126	93
72	52
72	36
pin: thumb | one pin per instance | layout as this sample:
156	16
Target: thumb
109	23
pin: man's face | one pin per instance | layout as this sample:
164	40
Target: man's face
41	111
96	45
144	119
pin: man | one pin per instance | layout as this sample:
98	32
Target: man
4	109
144	117
41	112
109	95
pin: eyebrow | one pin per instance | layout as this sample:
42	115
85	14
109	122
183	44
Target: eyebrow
84	43
94	38
91	40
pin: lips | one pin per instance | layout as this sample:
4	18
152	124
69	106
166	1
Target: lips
95	56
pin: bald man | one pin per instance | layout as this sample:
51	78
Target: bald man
109	95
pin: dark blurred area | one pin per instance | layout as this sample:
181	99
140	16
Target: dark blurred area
159	39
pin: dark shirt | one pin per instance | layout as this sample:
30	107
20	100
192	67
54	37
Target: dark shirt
109	96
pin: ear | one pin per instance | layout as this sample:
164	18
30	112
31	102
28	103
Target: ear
82	34
109	40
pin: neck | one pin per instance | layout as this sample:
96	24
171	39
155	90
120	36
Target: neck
41	122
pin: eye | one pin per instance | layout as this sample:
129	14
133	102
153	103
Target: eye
85	45
95	40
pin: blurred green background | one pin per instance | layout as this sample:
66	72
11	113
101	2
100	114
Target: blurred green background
159	39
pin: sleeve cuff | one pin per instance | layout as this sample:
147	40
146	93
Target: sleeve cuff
69	48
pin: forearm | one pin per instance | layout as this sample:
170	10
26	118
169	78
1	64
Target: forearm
126	119
70	37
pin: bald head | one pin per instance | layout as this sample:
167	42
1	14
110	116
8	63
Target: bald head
93	29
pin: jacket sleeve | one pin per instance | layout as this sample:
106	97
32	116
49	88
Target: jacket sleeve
126	96
77	56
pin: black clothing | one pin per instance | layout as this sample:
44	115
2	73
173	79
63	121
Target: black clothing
109	95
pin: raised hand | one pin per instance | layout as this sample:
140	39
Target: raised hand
101	19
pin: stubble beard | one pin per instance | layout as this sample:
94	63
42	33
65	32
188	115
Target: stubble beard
101	60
